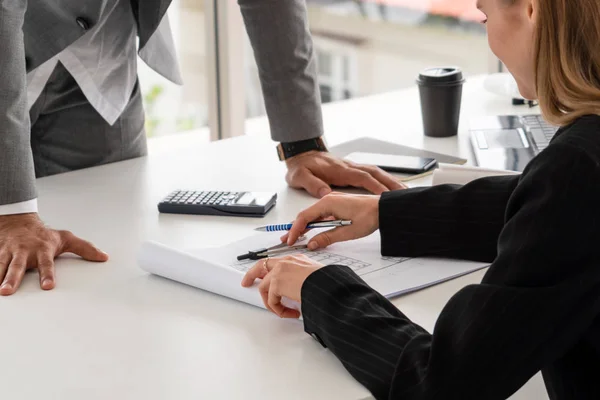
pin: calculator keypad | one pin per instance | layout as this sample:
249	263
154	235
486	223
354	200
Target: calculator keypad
182	197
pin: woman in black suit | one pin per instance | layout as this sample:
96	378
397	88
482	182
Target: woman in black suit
538	307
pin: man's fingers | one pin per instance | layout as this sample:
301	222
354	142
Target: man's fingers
313	185
14	276
363	179
5	258
386	179
258	271
330	237
84	249
46	270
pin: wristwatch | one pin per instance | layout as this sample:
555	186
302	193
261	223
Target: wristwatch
291	149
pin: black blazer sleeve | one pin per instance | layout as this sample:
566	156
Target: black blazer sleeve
447	221
537	301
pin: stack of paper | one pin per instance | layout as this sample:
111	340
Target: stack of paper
217	270
461	175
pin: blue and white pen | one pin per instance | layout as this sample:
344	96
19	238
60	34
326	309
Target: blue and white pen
312	225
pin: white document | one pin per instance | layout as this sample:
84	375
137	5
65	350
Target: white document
217	270
461	175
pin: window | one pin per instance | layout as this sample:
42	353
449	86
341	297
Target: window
365	47
337	64
362	47
169	107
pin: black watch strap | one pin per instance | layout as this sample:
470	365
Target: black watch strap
291	149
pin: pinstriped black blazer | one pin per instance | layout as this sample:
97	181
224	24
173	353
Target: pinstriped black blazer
537	308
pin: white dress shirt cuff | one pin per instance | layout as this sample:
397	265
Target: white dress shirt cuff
24	207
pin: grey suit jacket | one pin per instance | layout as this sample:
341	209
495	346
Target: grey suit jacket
33	31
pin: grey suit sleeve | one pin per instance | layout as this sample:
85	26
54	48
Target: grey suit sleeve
17	175
283	48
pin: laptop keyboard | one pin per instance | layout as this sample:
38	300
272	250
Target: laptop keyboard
541	131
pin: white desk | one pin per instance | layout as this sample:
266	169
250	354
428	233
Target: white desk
110	331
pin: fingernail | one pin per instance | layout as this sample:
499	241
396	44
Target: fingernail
47	283
324	192
313	246
7	286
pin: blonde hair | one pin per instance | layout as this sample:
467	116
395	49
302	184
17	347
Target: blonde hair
567	57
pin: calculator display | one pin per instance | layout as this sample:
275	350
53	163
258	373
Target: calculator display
253	198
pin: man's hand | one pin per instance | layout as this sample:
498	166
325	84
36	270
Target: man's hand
316	170
25	243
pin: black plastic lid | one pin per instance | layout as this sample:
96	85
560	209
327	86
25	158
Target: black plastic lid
441	76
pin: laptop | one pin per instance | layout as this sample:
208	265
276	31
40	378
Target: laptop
509	142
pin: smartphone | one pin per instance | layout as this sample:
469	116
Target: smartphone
393	163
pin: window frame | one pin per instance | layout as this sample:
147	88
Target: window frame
225	67
338	52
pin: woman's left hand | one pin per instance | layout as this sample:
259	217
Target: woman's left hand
281	277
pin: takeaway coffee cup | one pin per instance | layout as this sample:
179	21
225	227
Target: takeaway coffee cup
441	94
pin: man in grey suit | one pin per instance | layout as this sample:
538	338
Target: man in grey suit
70	99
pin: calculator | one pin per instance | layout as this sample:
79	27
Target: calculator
237	204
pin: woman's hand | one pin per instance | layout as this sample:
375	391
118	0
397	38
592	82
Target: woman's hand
362	210
281	277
